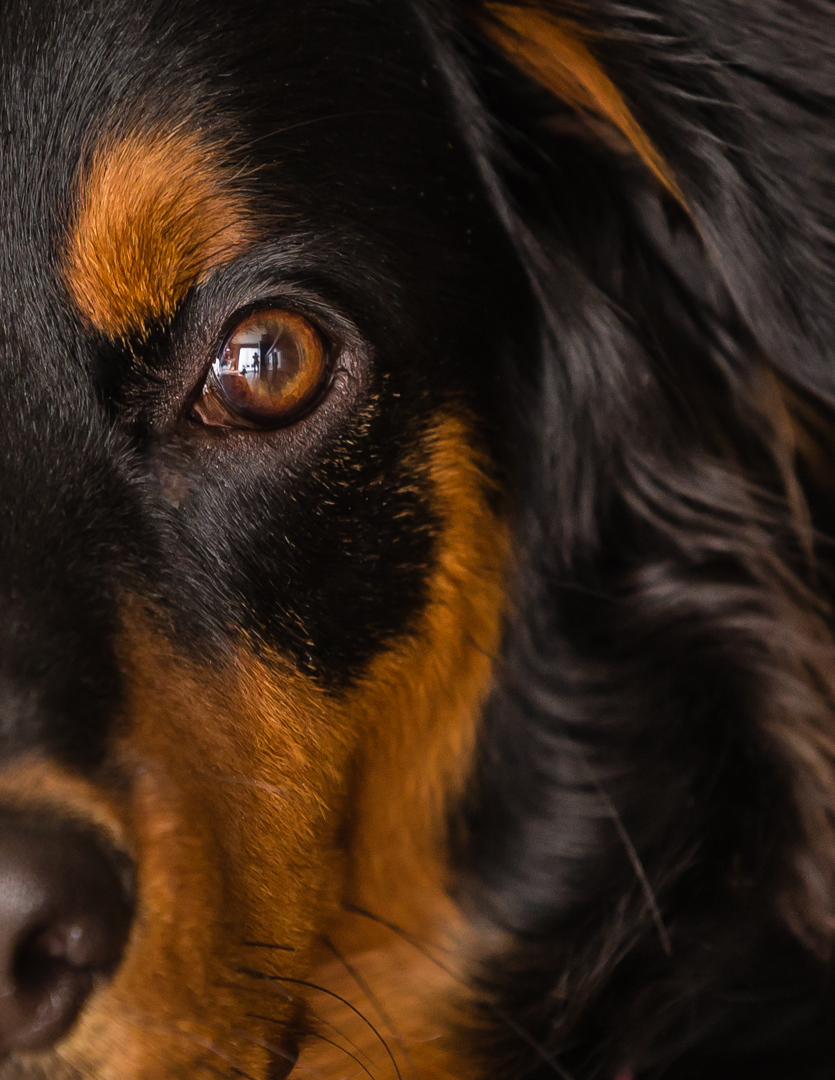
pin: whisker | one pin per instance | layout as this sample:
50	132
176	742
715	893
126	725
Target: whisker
273	979
316	1016
373	1000
268	945
542	1052
405	935
311	1012
289	997
316	1035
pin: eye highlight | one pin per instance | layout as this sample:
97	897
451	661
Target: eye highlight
270	369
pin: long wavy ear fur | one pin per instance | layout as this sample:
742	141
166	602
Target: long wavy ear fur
652	814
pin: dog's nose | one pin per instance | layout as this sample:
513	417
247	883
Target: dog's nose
65	911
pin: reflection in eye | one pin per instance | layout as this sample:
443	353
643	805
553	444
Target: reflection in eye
269	370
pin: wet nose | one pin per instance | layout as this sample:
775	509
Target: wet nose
65	911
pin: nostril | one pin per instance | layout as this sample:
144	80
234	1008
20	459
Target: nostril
42	997
62	944
65	912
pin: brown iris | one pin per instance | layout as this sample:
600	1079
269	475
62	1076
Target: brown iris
269	370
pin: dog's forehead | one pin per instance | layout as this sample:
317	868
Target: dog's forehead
130	131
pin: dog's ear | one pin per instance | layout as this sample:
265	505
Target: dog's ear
734	128
662	728
551	50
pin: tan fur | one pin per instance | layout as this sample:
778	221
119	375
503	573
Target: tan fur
421	704
256	805
230	828
33	786
403	998
553	51
155	213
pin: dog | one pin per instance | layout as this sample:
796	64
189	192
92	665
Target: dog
417	443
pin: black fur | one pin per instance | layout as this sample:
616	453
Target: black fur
651	814
633	820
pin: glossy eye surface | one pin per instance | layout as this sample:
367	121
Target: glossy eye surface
269	370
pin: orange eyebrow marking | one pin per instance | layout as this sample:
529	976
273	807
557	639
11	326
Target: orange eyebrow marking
156	212
552	52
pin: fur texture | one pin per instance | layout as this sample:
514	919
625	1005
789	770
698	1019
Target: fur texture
480	720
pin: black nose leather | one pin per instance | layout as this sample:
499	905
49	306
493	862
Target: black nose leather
65	911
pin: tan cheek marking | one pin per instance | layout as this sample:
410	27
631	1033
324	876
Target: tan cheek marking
420	703
420	707
237	786
409	998
551	50
244	779
155	213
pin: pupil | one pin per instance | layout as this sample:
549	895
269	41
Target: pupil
259	362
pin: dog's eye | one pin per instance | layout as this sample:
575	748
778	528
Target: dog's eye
270	369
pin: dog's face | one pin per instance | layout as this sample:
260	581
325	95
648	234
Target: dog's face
415	455
253	550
